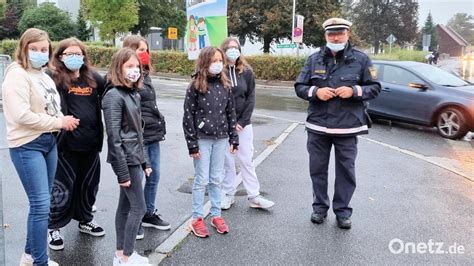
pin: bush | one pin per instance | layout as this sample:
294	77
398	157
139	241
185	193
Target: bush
266	67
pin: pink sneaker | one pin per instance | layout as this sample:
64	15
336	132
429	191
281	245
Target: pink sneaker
220	225
199	228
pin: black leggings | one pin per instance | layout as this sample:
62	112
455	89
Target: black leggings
75	188
130	211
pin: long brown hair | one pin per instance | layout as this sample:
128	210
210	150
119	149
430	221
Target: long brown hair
202	69
133	41
31	35
62	76
115	75
240	64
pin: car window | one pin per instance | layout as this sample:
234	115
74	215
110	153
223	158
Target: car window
400	76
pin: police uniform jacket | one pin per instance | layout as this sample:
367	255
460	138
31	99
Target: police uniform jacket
337	116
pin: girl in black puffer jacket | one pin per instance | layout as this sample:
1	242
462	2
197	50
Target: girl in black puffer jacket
153	133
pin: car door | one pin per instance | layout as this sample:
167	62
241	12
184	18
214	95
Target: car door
400	101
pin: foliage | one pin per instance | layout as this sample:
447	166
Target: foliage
399	54
375	20
49	18
429	28
84	32
10	22
463	24
161	13
112	17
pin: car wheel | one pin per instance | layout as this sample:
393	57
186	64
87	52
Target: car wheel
451	123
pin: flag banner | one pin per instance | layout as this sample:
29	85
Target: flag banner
207	25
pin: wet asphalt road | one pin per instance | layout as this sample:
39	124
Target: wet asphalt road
398	196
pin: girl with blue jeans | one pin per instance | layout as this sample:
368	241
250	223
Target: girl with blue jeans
33	118
209	122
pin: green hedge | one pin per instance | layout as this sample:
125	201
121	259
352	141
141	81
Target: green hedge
266	67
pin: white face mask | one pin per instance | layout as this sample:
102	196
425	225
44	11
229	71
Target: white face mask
336	47
216	68
133	74
232	54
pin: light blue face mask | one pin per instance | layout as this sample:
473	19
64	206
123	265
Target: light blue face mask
38	59
74	62
336	47
232	54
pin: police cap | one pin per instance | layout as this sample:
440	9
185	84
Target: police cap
336	24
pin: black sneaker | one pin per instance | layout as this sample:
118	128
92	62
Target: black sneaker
154	220
55	239
344	223
91	228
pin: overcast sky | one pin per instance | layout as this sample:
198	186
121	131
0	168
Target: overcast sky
443	10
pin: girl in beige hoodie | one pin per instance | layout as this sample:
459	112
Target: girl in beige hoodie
33	117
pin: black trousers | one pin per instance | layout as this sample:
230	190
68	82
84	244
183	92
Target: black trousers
319	149
75	188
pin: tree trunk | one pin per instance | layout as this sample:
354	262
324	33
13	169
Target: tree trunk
267	40
376	47
114	33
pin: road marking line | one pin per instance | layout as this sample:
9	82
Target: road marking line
182	231
423	158
279	118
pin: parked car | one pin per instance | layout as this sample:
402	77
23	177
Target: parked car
423	94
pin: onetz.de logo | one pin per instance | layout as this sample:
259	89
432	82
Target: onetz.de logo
398	246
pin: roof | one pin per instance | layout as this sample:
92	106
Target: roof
453	35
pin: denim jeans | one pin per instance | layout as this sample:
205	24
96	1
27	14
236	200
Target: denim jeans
35	163
151	183
209	169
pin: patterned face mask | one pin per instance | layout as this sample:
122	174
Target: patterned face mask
133	74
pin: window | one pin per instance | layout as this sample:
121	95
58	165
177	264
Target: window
400	76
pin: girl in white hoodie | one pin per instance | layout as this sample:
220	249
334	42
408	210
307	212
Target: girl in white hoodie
33	118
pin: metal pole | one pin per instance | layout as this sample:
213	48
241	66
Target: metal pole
293	22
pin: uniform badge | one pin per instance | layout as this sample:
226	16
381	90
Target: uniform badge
320	71
373	72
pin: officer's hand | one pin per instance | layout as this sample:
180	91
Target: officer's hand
325	93
344	92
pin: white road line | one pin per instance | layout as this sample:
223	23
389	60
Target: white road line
445	166
279	118
182	232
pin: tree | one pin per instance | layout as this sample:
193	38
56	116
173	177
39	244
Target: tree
429	28
49	18
161	13
10	22
462	23
375	20
83	30
112	17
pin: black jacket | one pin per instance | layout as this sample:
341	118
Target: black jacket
243	90
338	116
209	115
155	127
123	124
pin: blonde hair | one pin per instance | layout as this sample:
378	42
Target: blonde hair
31	35
115	75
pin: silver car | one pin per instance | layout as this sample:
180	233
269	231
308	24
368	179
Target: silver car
422	94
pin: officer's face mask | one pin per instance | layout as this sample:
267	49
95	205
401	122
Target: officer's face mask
336	47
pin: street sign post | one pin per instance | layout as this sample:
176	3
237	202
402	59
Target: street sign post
172	35
286	45
391	39
426	42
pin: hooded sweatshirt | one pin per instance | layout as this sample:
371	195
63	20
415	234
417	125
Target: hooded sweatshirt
31	104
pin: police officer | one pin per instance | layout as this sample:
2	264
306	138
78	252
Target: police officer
336	81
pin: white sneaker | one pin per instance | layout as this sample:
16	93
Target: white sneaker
94	208
26	260
134	259
116	260
261	203
227	201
